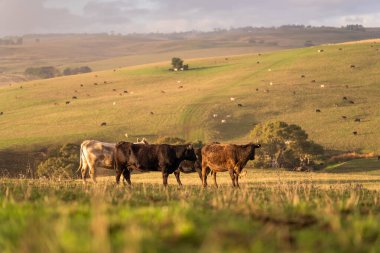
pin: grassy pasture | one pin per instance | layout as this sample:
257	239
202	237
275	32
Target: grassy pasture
274	211
37	115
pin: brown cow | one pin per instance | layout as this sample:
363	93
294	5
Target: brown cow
226	157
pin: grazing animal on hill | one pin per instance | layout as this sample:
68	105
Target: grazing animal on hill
1	113
94	154
67	102
103	124
303	76
354	132
240	105
344	117
155	157
81	85
313	81
74	97
357	120
351	102
344	98
226	157
317	110
352	66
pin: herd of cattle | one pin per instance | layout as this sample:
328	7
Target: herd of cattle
125	157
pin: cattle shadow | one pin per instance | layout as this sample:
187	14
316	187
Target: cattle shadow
234	127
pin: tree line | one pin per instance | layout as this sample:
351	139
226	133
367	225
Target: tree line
46	72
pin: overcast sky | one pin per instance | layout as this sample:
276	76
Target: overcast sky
126	16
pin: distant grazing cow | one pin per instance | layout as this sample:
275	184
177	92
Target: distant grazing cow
357	120
226	157
351	102
95	83
74	97
1	113
257	89
340	49
258	62
240	105
103	124
317	110
180	87
156	157
114	89
67	102
81	85
344	117
95	154
354	132
303	76
344	98
313	81
151	113
352	66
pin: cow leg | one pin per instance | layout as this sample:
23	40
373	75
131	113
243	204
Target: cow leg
237	180
165	176
177	173
84	172
127	176
118	175
199	171
93	173
204	175
232	174
215	183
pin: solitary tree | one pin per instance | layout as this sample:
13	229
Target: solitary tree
177	63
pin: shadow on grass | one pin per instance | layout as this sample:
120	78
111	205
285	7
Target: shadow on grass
234	128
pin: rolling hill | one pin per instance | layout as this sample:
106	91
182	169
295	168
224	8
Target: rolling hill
150	101
107	51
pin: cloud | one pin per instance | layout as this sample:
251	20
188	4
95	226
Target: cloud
21	17
42	16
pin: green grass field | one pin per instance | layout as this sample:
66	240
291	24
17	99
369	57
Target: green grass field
274	211
36	115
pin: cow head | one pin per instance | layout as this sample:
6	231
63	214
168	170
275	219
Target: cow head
252	150
189	153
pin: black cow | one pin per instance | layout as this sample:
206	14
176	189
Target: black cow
155	157
187	166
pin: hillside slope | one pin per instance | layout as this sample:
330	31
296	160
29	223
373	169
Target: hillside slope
287	85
